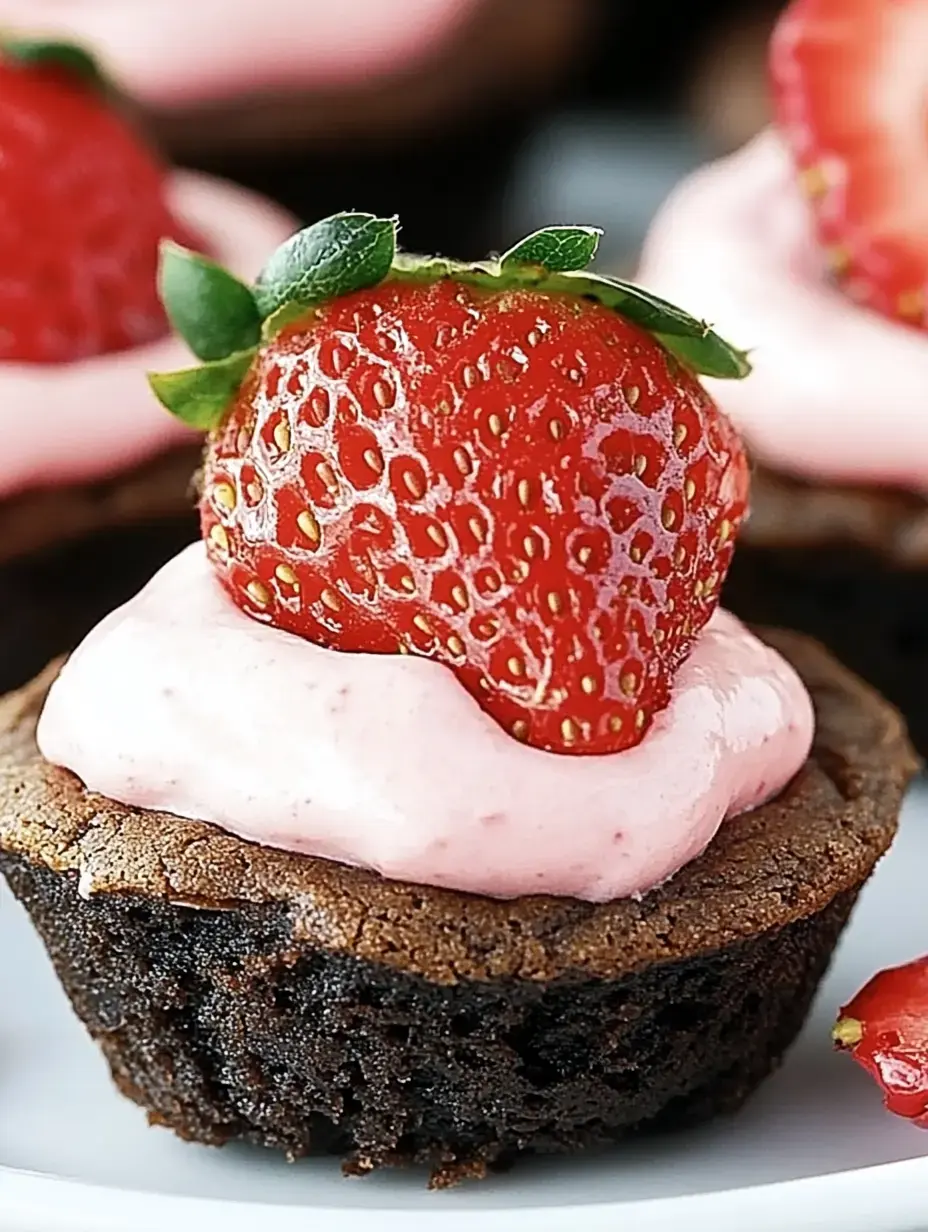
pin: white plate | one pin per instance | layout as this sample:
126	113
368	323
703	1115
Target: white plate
814	1149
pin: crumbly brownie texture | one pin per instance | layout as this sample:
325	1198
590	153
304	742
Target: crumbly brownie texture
849	566
245	993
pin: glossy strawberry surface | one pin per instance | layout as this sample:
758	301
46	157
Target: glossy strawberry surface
524	486
885	1028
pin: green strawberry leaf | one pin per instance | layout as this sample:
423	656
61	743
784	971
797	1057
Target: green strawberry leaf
708	355
333	257
280	319
69	56
639	305
556	249
199	397
691	340
214	313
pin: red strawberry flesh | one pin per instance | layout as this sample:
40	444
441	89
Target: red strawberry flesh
885	1028
850	80
83	213
526	487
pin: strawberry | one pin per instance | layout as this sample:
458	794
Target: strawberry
885	1028
83	213
489	465
849	79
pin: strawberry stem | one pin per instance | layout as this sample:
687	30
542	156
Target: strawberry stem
69	56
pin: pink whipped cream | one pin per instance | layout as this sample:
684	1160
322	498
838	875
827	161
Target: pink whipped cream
179	702
170	53
77	422
837	392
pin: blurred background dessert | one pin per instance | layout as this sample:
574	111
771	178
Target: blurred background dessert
94	483
412	106
469	118
808	246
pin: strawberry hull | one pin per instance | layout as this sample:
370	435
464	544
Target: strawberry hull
298	1004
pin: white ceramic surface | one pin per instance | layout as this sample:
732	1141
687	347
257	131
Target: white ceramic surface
813	1150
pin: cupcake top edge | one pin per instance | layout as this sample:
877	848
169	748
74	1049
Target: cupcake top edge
180	703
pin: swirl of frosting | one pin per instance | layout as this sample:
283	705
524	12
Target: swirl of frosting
180	702
170	53
73	423
837	392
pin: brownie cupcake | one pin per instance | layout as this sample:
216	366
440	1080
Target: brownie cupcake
244	993
94	482
787	245
431	810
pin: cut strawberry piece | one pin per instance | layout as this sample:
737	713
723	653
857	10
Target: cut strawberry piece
885	1028
850	82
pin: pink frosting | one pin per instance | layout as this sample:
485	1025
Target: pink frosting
75	422
180	702
837	392
176	52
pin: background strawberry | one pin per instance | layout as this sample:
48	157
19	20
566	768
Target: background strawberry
512	479
849	80
82	216
885	1028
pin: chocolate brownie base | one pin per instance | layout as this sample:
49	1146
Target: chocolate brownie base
243	993
849	566
69	556
301	1049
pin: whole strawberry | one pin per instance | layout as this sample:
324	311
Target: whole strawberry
509	467
885	1028
849	82
83	213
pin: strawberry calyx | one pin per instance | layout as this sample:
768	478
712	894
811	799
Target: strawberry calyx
57	53
224	321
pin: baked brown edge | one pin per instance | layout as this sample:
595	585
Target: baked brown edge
794	513
157	489
779	863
